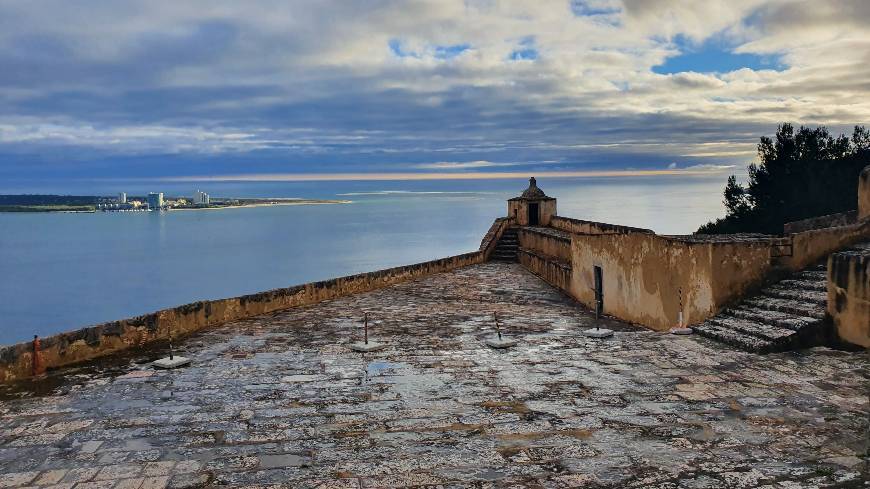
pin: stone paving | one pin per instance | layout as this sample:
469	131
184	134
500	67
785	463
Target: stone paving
280	401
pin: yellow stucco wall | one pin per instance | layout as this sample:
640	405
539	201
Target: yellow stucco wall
849	296
644	273
546	244
811	246
864	194
519	210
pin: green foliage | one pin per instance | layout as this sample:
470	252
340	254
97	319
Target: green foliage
801	174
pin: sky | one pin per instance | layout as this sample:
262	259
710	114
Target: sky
274	89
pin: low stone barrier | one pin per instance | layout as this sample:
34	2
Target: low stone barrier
579	226
821	222
811	246
849	294
552	270
23	360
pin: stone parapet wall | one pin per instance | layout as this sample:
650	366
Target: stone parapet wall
490	239
18	361
864	194
579	226
554	271
545	241
821	222
849	294
646	276
811	246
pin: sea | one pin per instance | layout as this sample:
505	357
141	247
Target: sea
63	271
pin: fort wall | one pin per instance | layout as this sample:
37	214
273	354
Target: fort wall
849	294
811	246
821	222
19	362
579	226
646	277
547	254
864	194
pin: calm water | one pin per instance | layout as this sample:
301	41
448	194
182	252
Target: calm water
63	271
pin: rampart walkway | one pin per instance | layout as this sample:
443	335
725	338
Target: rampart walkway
280	399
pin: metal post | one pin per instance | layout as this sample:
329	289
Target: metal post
366	327
680	319
169	327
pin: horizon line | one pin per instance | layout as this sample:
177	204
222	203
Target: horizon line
400	176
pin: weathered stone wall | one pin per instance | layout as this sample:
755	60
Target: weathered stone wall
591	227
821	222
554	271
17	361
518	209
490	239
546	253
644	275
811	246
849	294
864	194
546	241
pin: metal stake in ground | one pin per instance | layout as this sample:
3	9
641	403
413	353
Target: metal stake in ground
365	346
499	342
680	329
598	331
172	361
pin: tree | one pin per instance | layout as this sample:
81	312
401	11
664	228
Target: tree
800	174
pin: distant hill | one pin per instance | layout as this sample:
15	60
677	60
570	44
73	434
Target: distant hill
42	200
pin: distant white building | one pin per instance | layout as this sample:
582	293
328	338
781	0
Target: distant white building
122	198
155	200
201	198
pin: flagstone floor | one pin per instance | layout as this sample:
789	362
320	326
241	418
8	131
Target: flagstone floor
281	401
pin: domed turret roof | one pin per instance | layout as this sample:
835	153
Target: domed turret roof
533	192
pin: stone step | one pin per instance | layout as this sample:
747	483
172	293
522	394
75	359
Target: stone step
812	275
812	297
780	319
734	338
786	305
818	285
764	331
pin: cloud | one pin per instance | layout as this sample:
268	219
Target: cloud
703	167
95	87
461	165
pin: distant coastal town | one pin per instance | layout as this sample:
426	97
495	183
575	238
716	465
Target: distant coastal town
153	201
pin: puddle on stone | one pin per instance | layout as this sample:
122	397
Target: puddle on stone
138	444
377	368
283	460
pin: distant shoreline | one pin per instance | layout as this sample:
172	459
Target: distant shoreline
92	204
261	204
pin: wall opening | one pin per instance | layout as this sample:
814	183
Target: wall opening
533	214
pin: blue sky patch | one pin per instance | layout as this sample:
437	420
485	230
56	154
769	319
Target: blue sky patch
714	56
581	8
525	51
398	50
448	52
440	52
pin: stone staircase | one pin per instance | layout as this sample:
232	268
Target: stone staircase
506	249
786	315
